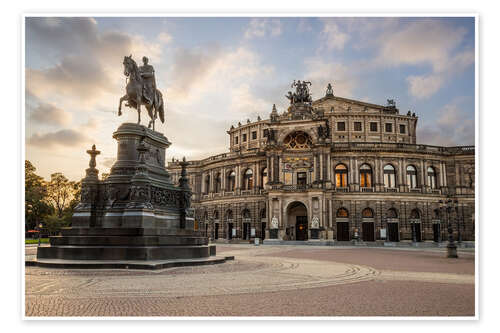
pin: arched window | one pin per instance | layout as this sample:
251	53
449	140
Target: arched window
263	177
342	212
205	217
246	213
229	215
367	213
431	177
437	214
231	181
341	175
365	175
389	176
411	176
415	214
297	140
216	215
248	179
207	184
392	213
217	183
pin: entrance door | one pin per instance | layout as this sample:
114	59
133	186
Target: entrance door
263	230
343	231
368	231
393	232
418	232
229	231
436	228
216	232
301	228
246	230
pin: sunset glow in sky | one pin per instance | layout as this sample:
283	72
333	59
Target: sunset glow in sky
214	72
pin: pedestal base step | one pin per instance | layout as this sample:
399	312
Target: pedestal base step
126	264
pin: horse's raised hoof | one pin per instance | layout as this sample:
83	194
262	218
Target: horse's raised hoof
119	112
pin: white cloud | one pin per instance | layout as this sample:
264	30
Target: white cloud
453	127
425	85
332	35
320	73
259	27
425	42
164	37
50	114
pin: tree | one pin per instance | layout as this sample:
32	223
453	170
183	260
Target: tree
35	194
60	192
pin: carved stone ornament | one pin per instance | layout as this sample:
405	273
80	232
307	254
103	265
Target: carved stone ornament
274	223
315	223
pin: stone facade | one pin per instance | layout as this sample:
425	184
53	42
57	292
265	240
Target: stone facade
335	169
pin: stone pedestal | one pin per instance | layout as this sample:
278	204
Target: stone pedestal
137	213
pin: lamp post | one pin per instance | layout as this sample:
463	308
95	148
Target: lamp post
458	223
451	248
40	226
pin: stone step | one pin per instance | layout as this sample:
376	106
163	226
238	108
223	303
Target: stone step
127	240
128	232
70	252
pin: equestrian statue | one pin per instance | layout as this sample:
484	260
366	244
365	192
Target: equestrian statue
141	90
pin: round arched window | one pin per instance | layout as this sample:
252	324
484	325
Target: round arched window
297	140
365	175
341	175
411	176
342	212
389	176
367	213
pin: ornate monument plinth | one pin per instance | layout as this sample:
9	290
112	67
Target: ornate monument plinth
136	217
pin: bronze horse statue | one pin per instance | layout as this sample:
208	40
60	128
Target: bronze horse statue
135	94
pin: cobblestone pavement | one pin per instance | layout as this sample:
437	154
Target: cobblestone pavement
266	281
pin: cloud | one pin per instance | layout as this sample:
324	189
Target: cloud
333	37
88	63
191	66
164	37
259	27
424	86
321	72
108	161
453	127
49	114
64	137
425	42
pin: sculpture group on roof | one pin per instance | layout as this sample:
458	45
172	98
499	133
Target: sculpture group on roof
301	94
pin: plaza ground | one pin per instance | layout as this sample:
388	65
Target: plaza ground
267	280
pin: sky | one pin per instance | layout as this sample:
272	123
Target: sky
215	72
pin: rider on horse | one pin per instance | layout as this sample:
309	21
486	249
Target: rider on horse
148	75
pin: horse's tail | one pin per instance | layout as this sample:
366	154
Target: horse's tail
160	109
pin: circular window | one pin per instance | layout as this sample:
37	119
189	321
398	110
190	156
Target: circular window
297	140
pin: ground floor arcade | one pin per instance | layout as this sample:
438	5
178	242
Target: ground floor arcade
315	216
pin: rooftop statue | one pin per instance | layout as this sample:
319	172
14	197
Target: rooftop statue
329	90
141	90
301	94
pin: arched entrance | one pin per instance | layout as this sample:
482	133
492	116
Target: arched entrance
416	232
297	221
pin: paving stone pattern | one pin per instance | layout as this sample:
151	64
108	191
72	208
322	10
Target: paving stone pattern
263	281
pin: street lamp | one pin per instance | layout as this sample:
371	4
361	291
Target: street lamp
451	247
40	226
458	223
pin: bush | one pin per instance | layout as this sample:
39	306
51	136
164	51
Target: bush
35	241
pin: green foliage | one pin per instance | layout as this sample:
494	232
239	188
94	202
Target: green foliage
61	192
54	223
35	241
36	206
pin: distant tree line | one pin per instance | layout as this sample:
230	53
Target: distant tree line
49	202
